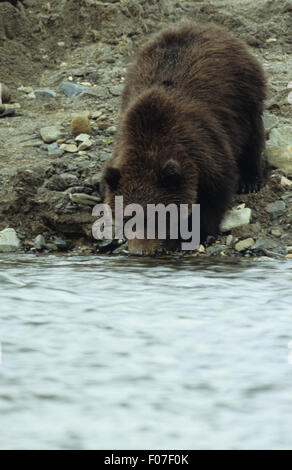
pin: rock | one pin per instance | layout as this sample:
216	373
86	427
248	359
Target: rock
229	240
276	232
247	231
60	182
4	93
71	148
9	240
276	208
244	244
116	90
39	242
80	189
215	249
235	218
25	89
84	199
280	157
85	145
201	249
99	92
111	129
54	150
80	125
69	178
270	121
44	94
280	137
96	114
263	245
94	181
71	89
50	134
285	182
82	138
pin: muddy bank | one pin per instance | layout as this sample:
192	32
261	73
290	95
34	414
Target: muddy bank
62	59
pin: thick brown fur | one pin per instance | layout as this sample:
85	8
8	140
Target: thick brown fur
192	109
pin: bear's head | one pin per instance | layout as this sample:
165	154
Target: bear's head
151	166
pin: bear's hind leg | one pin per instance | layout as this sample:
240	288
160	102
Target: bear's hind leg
251	162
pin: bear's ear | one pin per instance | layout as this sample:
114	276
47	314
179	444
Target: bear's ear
112	177
171	174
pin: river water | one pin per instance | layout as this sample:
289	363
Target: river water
135	353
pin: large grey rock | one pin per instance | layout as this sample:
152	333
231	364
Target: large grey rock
50	134
280	157
280	137
235	218
9	240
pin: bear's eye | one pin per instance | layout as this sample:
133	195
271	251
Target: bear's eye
112	177
171	174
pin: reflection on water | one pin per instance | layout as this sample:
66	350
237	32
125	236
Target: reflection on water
117	352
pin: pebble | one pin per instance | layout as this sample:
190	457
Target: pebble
280	157
39	242
71	148
71	89
94	180
276	232
25	89
54	150
80	189
84	199
82	137
44	94
244	244
111	129
9	240
285	182
235	218
50	134
229	239
84	145
215	249
276	208
80	125
96	114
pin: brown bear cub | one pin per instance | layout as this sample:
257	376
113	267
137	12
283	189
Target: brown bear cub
191	129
